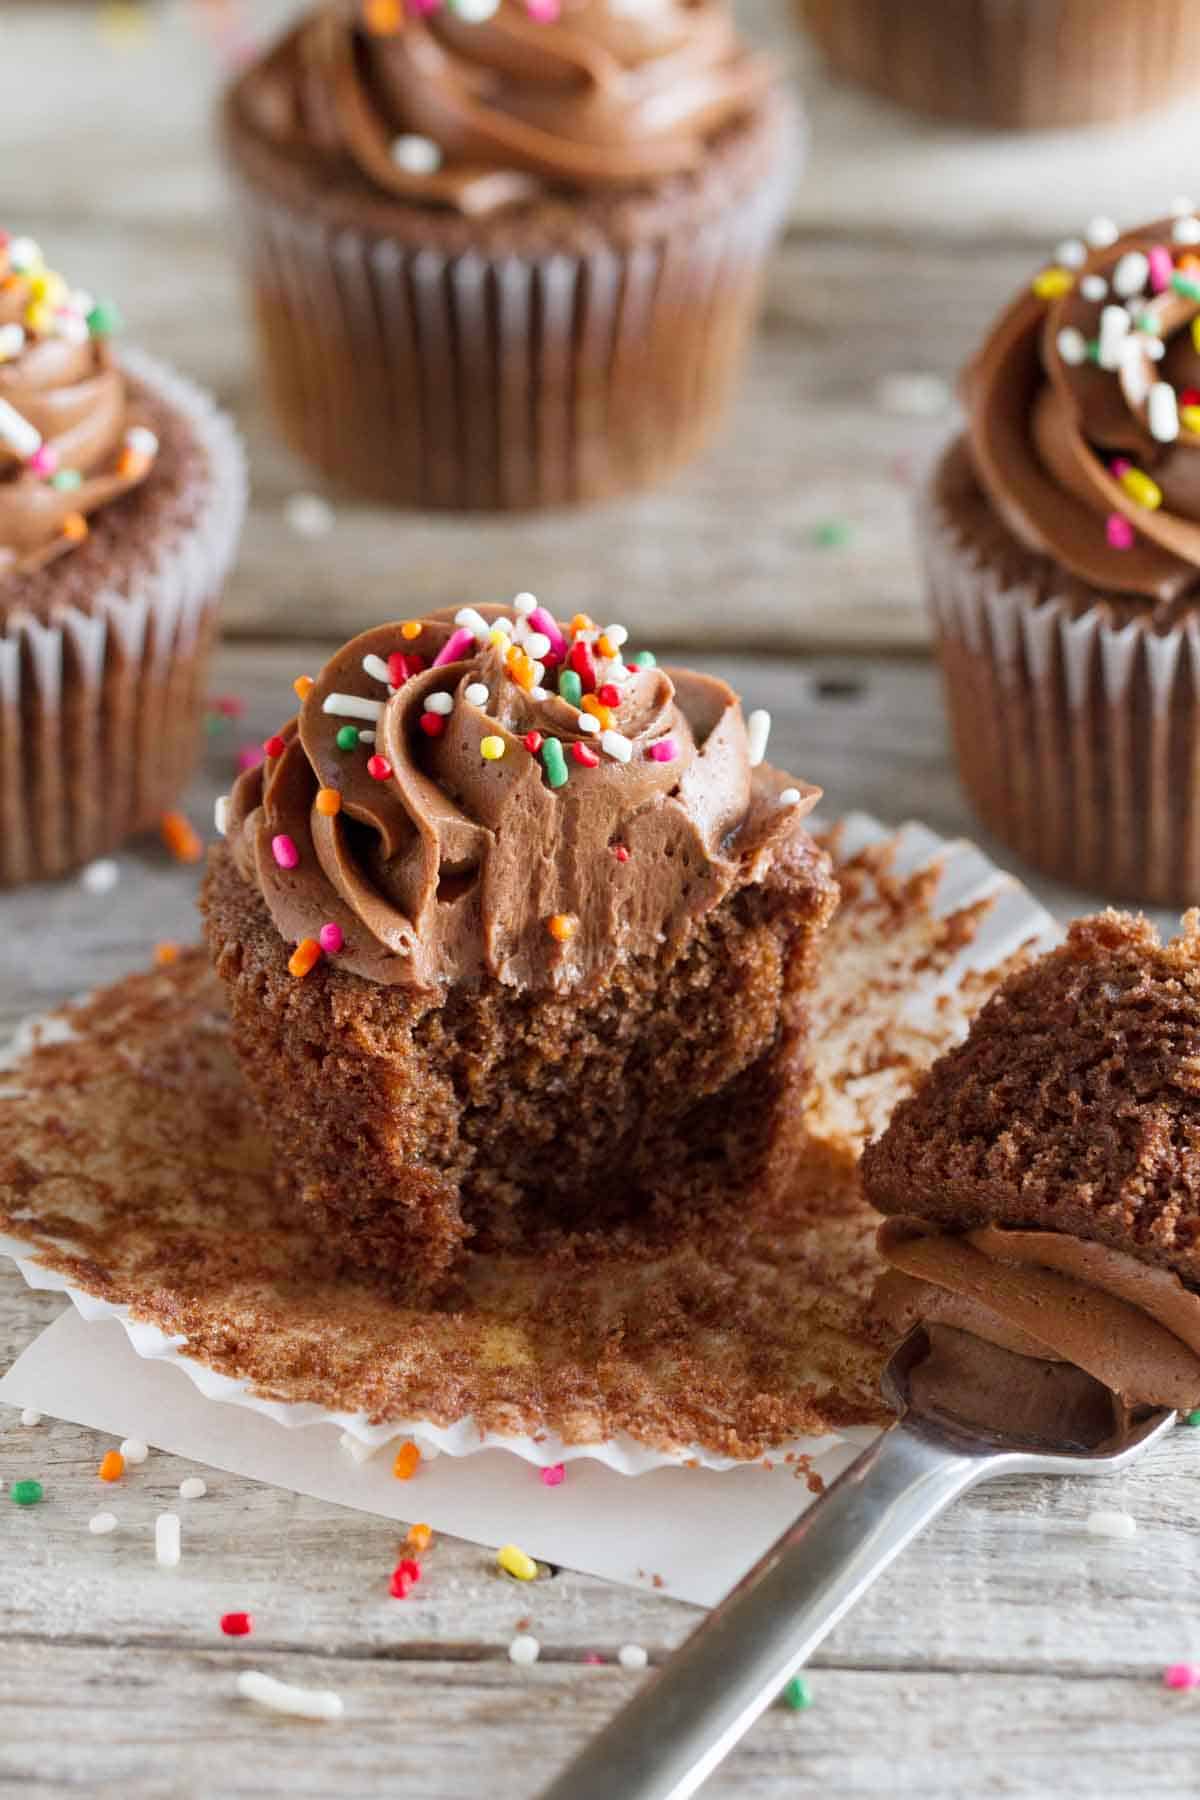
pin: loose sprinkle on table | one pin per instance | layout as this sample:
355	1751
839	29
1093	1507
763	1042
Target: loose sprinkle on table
112	1466
514	1562
193	1488
26	1493
29	1416
237	1624
419	1537
632	1656
1181	1675
524	1650
1111	1524
167	1540
134	1450
796	1695
280	1696
101	1523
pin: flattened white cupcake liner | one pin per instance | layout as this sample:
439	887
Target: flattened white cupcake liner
1014	921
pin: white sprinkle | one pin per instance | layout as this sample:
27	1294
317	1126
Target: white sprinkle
790	797
474	12
616	745
100	1524
588	722
141	440
81	301
355	1448
1071	253
616	635
1093	287
1112	1524
471	621
524	1650
539	673
537	644
29	1416
377	669
916	395
366	737
1101	233
1131	274
632	1656
1163	413
539	693
476	693
166	1540
1072	345
1134	375
193	1488
21	437
524	604
280	1696
351	706
415	154
1186	231
439	703
134	1451
24	253
1114	328
100	877
71	327
308	515
1181	204
12	341
221	814
758	730
1153	347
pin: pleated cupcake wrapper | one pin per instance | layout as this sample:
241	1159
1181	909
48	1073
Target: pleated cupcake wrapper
100	710
1078	740
476	381
1014	922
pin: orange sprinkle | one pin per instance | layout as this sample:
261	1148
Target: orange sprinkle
303	686
581	622
1188	261
75	527
181	837
419	1537
407	1459
329	802
604	714
166	953
304	957
112	1466
562	927
411	628
605	645
383	17
132	464
520	667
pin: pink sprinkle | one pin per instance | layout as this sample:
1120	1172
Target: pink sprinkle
543	12
1120	465
1181	1675
554	1476
44	461
1119	531
230	706
666	750
1162	267
249	757
284	851
547	624
331	939
594	1658
455	647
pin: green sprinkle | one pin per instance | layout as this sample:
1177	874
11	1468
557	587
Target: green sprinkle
554	762
645	659
1186	285
1093	350
570	686
1192	1418
347	737
66	480
796	1696
103	319
213	723
1148	322
832	534
26	1493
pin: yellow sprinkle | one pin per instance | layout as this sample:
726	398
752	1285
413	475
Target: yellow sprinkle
499	637
1142	488
304	957
1196	333
328	802
491	748
47	286
411	628
1189	416
603	714
302	686
1053	283
515	1562
39	317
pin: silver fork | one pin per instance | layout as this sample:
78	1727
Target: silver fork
958	1425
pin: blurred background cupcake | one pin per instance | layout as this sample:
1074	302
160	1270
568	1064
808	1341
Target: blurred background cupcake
1061	536
121	498
506	254
1019	64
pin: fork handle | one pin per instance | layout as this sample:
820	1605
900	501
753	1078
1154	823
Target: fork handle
672	1735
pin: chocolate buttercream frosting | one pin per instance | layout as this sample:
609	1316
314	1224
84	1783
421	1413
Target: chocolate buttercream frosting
68	442
1083	411
489	825
479	116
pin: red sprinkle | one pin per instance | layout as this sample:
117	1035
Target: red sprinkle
584	754
398	669
400	1584
1190	397
230	706
378	768
580	659
533	742
432	724
609	694
237	1624
408	1565
274	746
620	852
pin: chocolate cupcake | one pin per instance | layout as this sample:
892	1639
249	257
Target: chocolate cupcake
510	263
121	496
1061	536
1025	64
1043	1185
504	961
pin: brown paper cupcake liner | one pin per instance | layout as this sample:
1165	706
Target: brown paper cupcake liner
498	378
101	709
1022	64
1077	735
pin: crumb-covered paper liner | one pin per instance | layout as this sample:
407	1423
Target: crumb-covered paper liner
101	706
132	1176
1077	734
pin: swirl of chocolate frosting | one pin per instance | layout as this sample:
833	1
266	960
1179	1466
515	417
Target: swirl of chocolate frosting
67	442
605	96
1084	411
484	830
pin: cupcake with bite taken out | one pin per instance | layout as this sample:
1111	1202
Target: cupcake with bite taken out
508	260
121	496
516	930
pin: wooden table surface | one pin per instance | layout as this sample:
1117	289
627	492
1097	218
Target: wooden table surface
1009	1652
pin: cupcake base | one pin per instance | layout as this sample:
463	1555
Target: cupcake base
103	653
